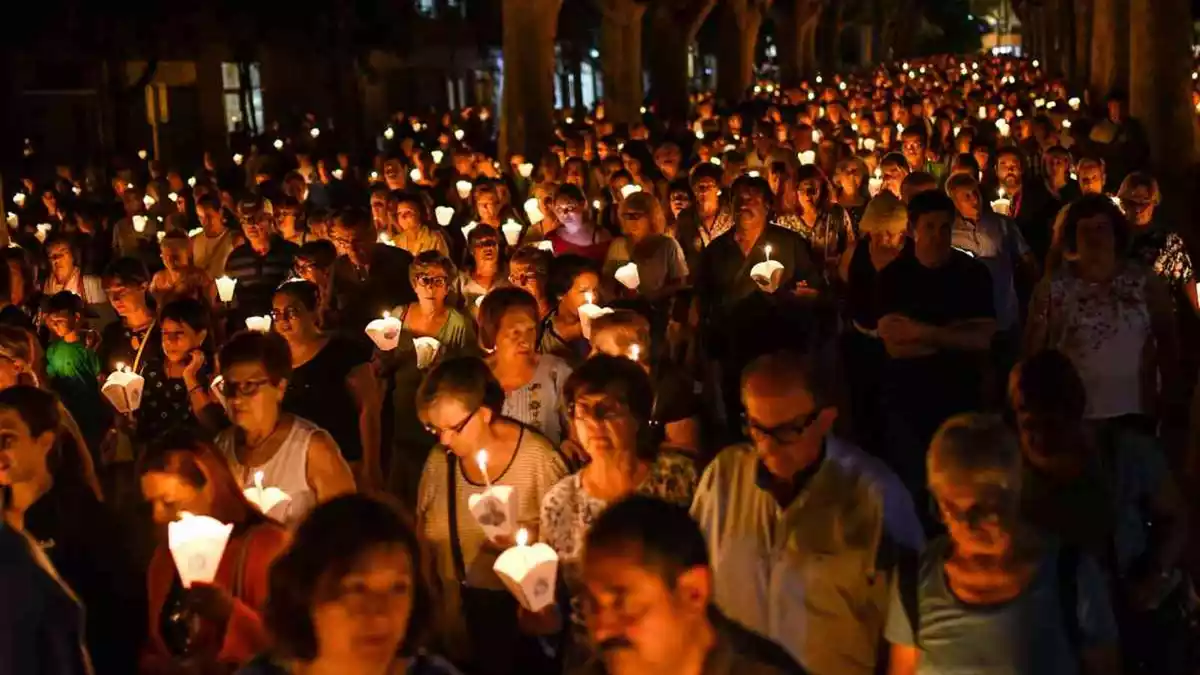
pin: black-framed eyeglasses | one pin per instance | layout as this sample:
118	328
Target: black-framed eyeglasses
431	282
288	314
456	429
980	513
486	243
601	411
784	434
245	389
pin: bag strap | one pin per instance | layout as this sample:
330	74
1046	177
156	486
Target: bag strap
908	572
1068	595
239	578
460	567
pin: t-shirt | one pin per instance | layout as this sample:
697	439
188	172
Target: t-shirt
317	391
73	370
1027	635
959	290
258	276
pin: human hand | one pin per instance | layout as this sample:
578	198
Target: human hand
190	372
548	621
210	602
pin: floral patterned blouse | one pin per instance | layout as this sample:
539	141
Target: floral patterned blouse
829	236
1172	263
568	512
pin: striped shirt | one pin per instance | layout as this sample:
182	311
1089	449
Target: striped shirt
535	468
259	275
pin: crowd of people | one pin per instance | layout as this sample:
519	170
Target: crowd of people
884	373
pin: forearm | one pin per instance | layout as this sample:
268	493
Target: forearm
369	435
968	336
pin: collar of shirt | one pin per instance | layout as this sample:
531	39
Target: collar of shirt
773	486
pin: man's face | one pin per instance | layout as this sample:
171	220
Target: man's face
914	150
708	195
1057	166
1009	171
488	206
966	202
1091	179
784	425
893	177
638	622
174	255
764	141
393	173
258	227
354	243
667	158
62	262
931	238
379	211
749	206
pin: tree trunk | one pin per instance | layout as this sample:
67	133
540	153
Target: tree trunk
621	58
1064	36
674	26
1110	48
527	109
739	42
798	41
1083	43
1161	90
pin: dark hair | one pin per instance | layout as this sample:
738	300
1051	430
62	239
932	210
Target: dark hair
663	534
188	311
754	183
895	159
64	301
321	251
354	218
328	543
126	272
801	370
1048	382
532	255
1009	151
498	303
930	201
564	269
209	201
304	292
467	378
621	379
1088	206
571	192
41	412
186	454
268	349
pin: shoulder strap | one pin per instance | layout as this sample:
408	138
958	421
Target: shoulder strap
908	576
1068	595
239	578
460	567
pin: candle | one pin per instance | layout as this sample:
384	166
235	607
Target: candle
173	196
139	224
415	175
630	189
444	215
225	285
875	183
635	352
1066	124
337	174
142	154
385	239
869	144
715	160
459	134
588	312
545	246
437	156
752	174
258	478
466	229
160	235
197	544
699	134
1073	102
529	572
427	351
374	175
481	460
512	232
767	251
1039	103
237	158
192	181
278	144
627	274
43	229
1001	205
464	188
533	210
11	219
123	388
807	157
416	125
385	332
525	169
982	112
314	132
259	324
389	133
19	199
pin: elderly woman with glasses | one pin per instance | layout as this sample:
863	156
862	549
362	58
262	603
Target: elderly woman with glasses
332	382
460	401
611	402
994	581
661	267
268	443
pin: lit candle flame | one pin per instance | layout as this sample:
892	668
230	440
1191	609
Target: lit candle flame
522	537
635	351
767	250
587	297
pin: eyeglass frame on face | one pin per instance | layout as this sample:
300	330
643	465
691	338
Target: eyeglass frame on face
455	429
428	281
247	389
612	409
288	314
972	518
794	429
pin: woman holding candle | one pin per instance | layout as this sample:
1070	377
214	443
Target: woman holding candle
820	220
347	551
577	233
432	275
294	454
611	402
574	282
332	383
532	382
659	259
181	473
461	403
483	268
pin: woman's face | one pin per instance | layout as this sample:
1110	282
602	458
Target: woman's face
850	180
457	426
679	201
1095	238
23	457
573	174
432	284
62	261
179	340
525	277
251	397
291	319
568	212
174	256
582	291
808	190
169	494
604	425
488	206
975	522
635	223
632	165
408	217
516	336
361	619
486	250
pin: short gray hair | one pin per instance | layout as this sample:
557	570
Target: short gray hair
978	450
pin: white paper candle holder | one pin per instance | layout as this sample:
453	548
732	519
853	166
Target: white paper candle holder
764	272
427	351
495	509
627	274
530	573
197	544
123	388
385	332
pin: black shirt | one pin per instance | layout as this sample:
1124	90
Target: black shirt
362	296
317	391
119	344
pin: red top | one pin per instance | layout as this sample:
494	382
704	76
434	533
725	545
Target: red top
597	251
244	635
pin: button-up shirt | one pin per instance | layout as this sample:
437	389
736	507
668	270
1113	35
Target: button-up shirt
813	574
999	245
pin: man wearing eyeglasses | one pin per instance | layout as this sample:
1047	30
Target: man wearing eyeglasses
260	265
802	527
368	277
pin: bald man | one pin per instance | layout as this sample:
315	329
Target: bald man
803	528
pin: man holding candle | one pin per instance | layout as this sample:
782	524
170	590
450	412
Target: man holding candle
368	277
260	264
1031	204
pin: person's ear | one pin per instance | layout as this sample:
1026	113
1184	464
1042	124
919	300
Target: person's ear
485	414
45	443
693	589
826	418
282	386
202	335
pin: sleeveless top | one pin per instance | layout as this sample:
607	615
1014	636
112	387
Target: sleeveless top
287	470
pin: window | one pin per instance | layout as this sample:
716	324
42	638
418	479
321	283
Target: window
231	82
